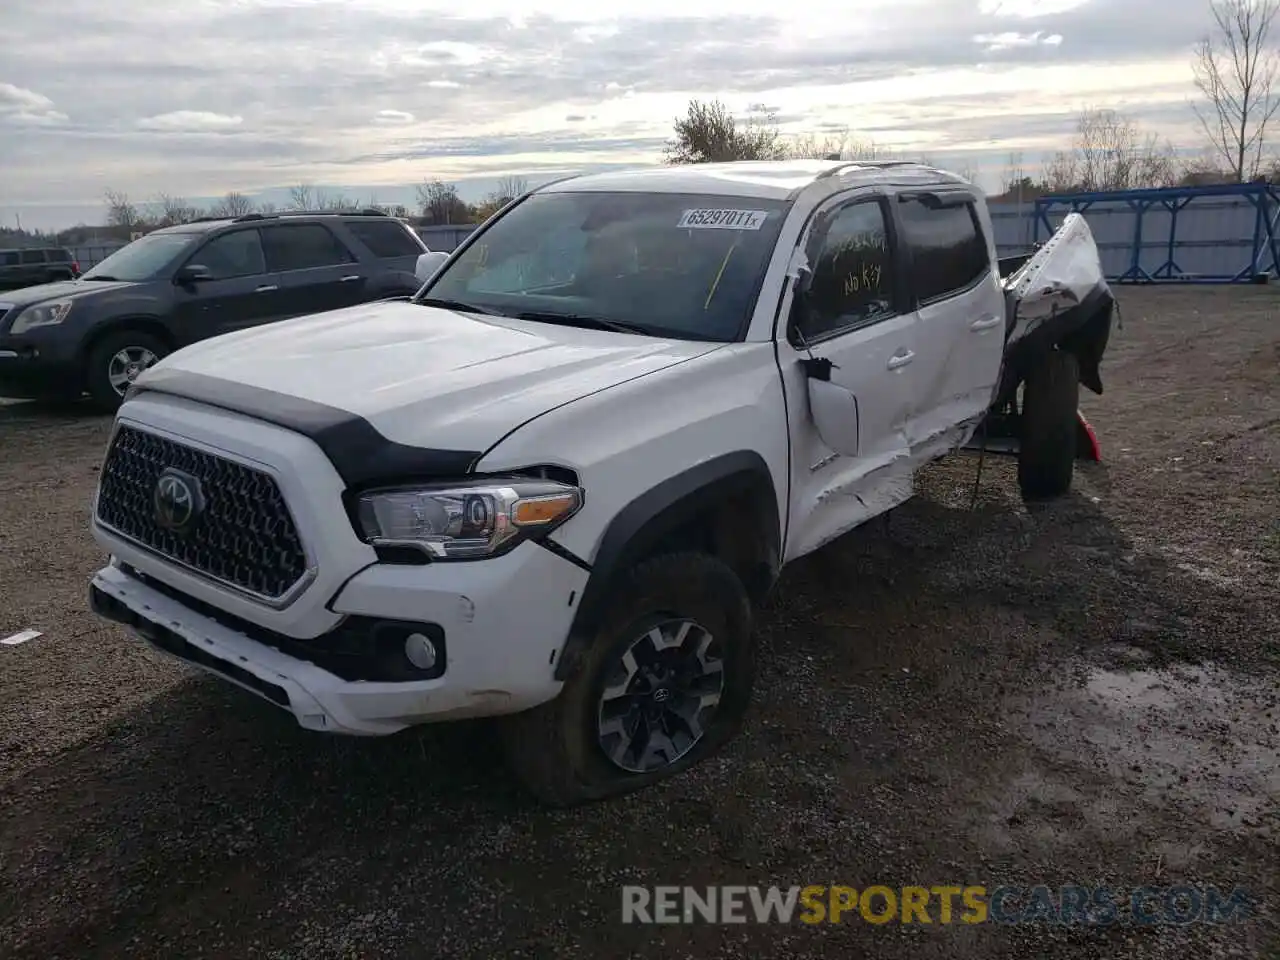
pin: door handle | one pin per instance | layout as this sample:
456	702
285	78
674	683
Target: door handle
986	323
266	289
354	276
901	360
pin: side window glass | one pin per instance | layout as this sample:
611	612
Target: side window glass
948	252
33	256
385	238
303	246
237	254
852	274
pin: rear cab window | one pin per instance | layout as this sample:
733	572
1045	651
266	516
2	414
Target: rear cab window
385	238
948	250
59	256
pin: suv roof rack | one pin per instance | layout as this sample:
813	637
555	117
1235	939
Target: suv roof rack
343	212
366	211
249	217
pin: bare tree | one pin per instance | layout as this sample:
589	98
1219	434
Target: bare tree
708	133
390	209
1110	152
301	197
1015	172
330	201
511	187
266	209
233	205
440	203
840	145
966	170
121	212
1236	72
1205	168
174	210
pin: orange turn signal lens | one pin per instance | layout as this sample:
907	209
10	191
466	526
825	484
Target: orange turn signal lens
536	511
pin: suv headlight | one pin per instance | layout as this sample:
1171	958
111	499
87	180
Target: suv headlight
41	315
462	521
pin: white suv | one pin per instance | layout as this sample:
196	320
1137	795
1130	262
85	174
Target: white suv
553	485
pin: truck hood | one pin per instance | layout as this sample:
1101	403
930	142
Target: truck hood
420	376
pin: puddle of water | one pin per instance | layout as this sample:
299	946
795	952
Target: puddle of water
1199	738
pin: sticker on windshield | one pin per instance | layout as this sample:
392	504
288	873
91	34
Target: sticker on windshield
723	219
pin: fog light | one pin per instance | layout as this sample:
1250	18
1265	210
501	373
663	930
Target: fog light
420	651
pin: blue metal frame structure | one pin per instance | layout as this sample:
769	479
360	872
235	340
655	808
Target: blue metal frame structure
1265	199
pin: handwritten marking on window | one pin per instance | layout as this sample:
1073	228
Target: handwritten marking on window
864	280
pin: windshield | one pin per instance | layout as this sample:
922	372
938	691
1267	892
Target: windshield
143	258
676	265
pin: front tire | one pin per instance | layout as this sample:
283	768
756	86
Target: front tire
115	362
664	684
1047	447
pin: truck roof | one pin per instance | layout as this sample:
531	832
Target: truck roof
764	179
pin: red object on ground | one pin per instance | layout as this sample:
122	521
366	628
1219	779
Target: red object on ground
1092	450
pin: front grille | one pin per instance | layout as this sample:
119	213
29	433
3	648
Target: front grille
244	536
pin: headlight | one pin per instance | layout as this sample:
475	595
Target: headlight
465	521
41	315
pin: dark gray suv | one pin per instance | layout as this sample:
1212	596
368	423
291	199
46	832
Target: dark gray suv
182	284
27	266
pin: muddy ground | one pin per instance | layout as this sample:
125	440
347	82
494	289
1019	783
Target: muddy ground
1084	693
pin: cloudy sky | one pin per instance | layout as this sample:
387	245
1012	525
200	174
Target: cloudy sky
198	97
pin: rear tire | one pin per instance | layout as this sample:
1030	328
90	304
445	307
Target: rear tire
107	373
593	740
1047	447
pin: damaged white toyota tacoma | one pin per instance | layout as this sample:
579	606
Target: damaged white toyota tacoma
553	485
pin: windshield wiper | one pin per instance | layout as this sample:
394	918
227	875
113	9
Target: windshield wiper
457	305
102	276
579	319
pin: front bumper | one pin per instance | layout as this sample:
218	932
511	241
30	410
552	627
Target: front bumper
499	640
503	620
26	372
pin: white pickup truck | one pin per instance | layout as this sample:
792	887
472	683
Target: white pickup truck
552	486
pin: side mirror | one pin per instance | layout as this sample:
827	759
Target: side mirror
428	263
835	414
193	273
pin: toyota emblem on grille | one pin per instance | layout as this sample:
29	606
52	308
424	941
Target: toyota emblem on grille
179	500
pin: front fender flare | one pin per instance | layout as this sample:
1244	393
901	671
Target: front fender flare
643	523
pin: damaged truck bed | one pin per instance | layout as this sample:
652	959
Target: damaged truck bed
1057	301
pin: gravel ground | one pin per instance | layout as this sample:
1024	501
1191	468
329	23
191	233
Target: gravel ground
1085	693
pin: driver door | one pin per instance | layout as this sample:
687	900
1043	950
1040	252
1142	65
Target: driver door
851	340
240	293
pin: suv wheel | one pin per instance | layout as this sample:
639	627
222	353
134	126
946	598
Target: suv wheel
116	361
664	685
